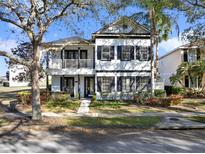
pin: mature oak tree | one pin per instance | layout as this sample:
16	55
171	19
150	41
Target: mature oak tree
34	17
194	11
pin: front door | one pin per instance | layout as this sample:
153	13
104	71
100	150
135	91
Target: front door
69	85
89	86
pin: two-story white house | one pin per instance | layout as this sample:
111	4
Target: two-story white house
169	62
115	64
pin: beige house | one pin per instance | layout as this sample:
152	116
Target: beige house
169	62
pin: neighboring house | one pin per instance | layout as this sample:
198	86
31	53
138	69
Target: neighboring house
169	63
18	76
115	64
3	79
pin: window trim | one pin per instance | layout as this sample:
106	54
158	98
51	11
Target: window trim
131	79
110	79
123	50
145	88
102	47
139	55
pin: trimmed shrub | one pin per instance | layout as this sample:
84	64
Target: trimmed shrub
60	96
159	93
141	96
153	101
61	101
93	99
172	90
175	99
164	102
24	97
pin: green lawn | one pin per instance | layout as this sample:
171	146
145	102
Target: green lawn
197	118
194	103
108	104
117	107
61	105
117	121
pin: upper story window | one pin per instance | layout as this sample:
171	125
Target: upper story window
71	54
143	53
105	52
191	55
83	54
125	53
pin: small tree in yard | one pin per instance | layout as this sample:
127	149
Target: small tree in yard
34	17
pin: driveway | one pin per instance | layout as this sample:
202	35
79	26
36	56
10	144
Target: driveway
131	141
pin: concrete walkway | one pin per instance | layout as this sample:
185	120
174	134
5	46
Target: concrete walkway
84	106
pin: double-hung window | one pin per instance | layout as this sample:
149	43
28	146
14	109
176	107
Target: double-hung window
142	83
143	53
105	84
126	84
192	55
125	53
105	53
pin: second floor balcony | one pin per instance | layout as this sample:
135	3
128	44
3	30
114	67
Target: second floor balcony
71	63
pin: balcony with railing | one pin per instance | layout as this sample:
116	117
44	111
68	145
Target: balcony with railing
71	63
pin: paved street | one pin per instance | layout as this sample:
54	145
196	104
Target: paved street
133	141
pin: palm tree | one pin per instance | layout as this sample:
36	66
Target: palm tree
192	70
163	26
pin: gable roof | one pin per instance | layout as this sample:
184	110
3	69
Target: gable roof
69	40
123	23
196	44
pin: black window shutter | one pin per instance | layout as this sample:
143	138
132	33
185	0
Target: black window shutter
119	83
149	52
99	50
132	53
185	56
186	81
61	54
99	84
119	50
198	54
112	50
138	53
113	83
61	83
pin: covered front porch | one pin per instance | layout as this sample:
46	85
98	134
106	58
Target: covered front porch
78	86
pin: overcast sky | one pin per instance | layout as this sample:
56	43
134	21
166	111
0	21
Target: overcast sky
10	35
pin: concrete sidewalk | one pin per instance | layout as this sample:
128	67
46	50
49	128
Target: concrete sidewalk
109	115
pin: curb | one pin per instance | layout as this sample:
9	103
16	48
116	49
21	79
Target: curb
93	129
180	128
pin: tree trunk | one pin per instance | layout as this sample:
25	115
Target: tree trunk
36	106
156	60
152	22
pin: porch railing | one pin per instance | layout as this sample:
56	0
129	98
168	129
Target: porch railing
71	63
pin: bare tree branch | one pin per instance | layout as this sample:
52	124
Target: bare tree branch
196	3
15	59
